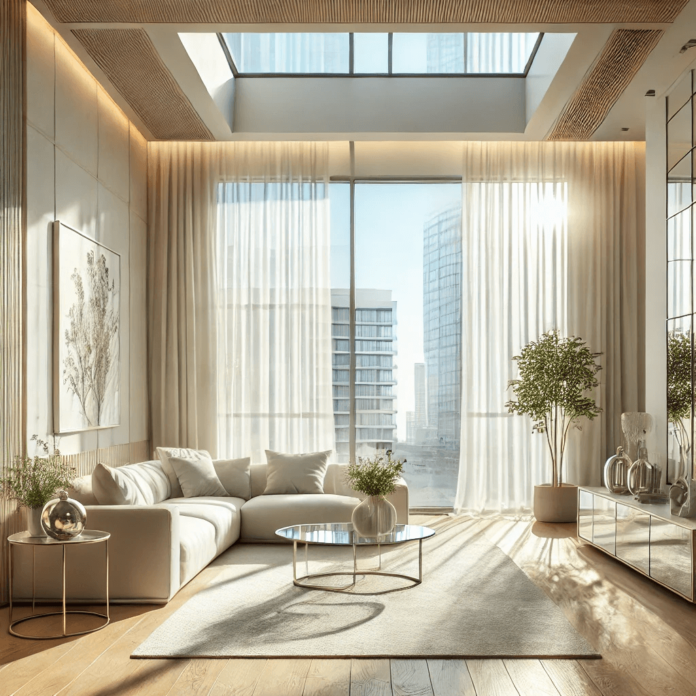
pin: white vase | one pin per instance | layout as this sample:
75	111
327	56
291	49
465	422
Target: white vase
374	517
34	522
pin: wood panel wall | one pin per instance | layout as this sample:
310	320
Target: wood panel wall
12	239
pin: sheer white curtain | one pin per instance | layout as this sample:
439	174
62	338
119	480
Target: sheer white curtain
552	238
239	297
274	342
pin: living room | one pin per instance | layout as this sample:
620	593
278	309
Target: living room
351	345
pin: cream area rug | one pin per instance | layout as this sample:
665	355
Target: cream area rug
474	602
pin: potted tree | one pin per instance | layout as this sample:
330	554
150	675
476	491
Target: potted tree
554	374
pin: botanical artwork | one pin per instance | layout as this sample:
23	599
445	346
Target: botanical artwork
87	340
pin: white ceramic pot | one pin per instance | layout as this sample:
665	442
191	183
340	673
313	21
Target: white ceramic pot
374	517
34	522
556	504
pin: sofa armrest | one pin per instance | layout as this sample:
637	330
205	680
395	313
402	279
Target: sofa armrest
336	483
144	551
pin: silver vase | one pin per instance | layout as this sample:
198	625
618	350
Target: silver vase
616	472
644	477
63	518
374	517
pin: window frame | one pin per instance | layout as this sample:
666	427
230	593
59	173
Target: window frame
351	62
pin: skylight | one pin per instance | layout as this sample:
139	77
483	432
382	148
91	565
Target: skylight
255	54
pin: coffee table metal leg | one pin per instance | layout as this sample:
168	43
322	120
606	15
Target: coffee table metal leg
33	579
65	617
420	560
108	614
294	561
11	580
355	561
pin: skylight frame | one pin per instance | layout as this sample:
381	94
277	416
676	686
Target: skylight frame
390	73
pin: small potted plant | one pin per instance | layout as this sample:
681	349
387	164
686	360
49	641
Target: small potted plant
376	478
554	375
679	396
33	481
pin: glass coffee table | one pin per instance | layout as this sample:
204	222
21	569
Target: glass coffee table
343	534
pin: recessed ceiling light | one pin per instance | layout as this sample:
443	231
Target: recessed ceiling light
624	129
650	93
689	44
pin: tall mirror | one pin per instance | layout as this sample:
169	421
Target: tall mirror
680	278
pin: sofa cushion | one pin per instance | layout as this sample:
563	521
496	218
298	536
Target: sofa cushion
81	490
197	477
235	476
295	473
165	452
224	514
133	484
197	546
261	516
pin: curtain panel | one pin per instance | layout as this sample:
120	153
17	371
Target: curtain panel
239	297
553	238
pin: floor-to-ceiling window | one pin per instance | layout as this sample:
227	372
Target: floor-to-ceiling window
406	352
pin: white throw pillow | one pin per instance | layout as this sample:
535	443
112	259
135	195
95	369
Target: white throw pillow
295	473
81	490
164	453
197	477
235	476
133	484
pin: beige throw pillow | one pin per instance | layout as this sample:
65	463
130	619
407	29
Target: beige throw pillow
235	476
133	484
164	453
295	473
197	477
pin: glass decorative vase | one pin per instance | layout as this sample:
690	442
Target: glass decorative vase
616	472
34	522
374	517
644	477
63	518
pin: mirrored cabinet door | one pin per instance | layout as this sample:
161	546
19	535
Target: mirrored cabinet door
604	523
633	537
670	555
585	510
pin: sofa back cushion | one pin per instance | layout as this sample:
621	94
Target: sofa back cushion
235	476
81	490
133	484
296	473
183	452
334	481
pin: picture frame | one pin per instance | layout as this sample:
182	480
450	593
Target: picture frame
86	333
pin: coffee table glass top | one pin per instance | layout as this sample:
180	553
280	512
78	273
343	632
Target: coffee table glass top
342	534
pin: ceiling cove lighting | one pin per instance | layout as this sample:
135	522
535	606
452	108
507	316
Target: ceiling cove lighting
365	54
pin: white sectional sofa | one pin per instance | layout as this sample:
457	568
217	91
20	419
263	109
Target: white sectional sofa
160	545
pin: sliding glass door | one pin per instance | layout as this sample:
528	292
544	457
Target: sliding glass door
407	332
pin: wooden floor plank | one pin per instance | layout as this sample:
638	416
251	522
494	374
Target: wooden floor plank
198	678
154	678
370	678
529	678
85	651
570	678
610	680
328	678
238	677
17	674
283	678
490	678
450	677
410	678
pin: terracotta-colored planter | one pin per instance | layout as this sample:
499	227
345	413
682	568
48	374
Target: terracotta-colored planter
559	504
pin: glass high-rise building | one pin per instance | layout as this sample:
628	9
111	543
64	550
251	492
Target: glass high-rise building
375	374
442	325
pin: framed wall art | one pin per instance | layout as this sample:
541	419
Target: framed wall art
87	332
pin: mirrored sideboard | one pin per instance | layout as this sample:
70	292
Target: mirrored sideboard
647	538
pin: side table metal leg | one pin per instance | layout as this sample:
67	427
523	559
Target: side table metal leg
11	580
355	561
306	558
294	559
379	552
65	621
33	581
420	560
108	615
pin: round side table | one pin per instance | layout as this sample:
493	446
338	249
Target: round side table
87	537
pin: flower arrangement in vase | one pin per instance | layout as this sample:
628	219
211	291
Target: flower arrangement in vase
376	478
33	481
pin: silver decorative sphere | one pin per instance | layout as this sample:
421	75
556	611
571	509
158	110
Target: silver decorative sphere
63	518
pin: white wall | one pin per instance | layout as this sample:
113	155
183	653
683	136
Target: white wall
86	166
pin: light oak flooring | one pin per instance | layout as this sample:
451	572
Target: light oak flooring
646	634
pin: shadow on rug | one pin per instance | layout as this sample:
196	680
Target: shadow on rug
474	603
